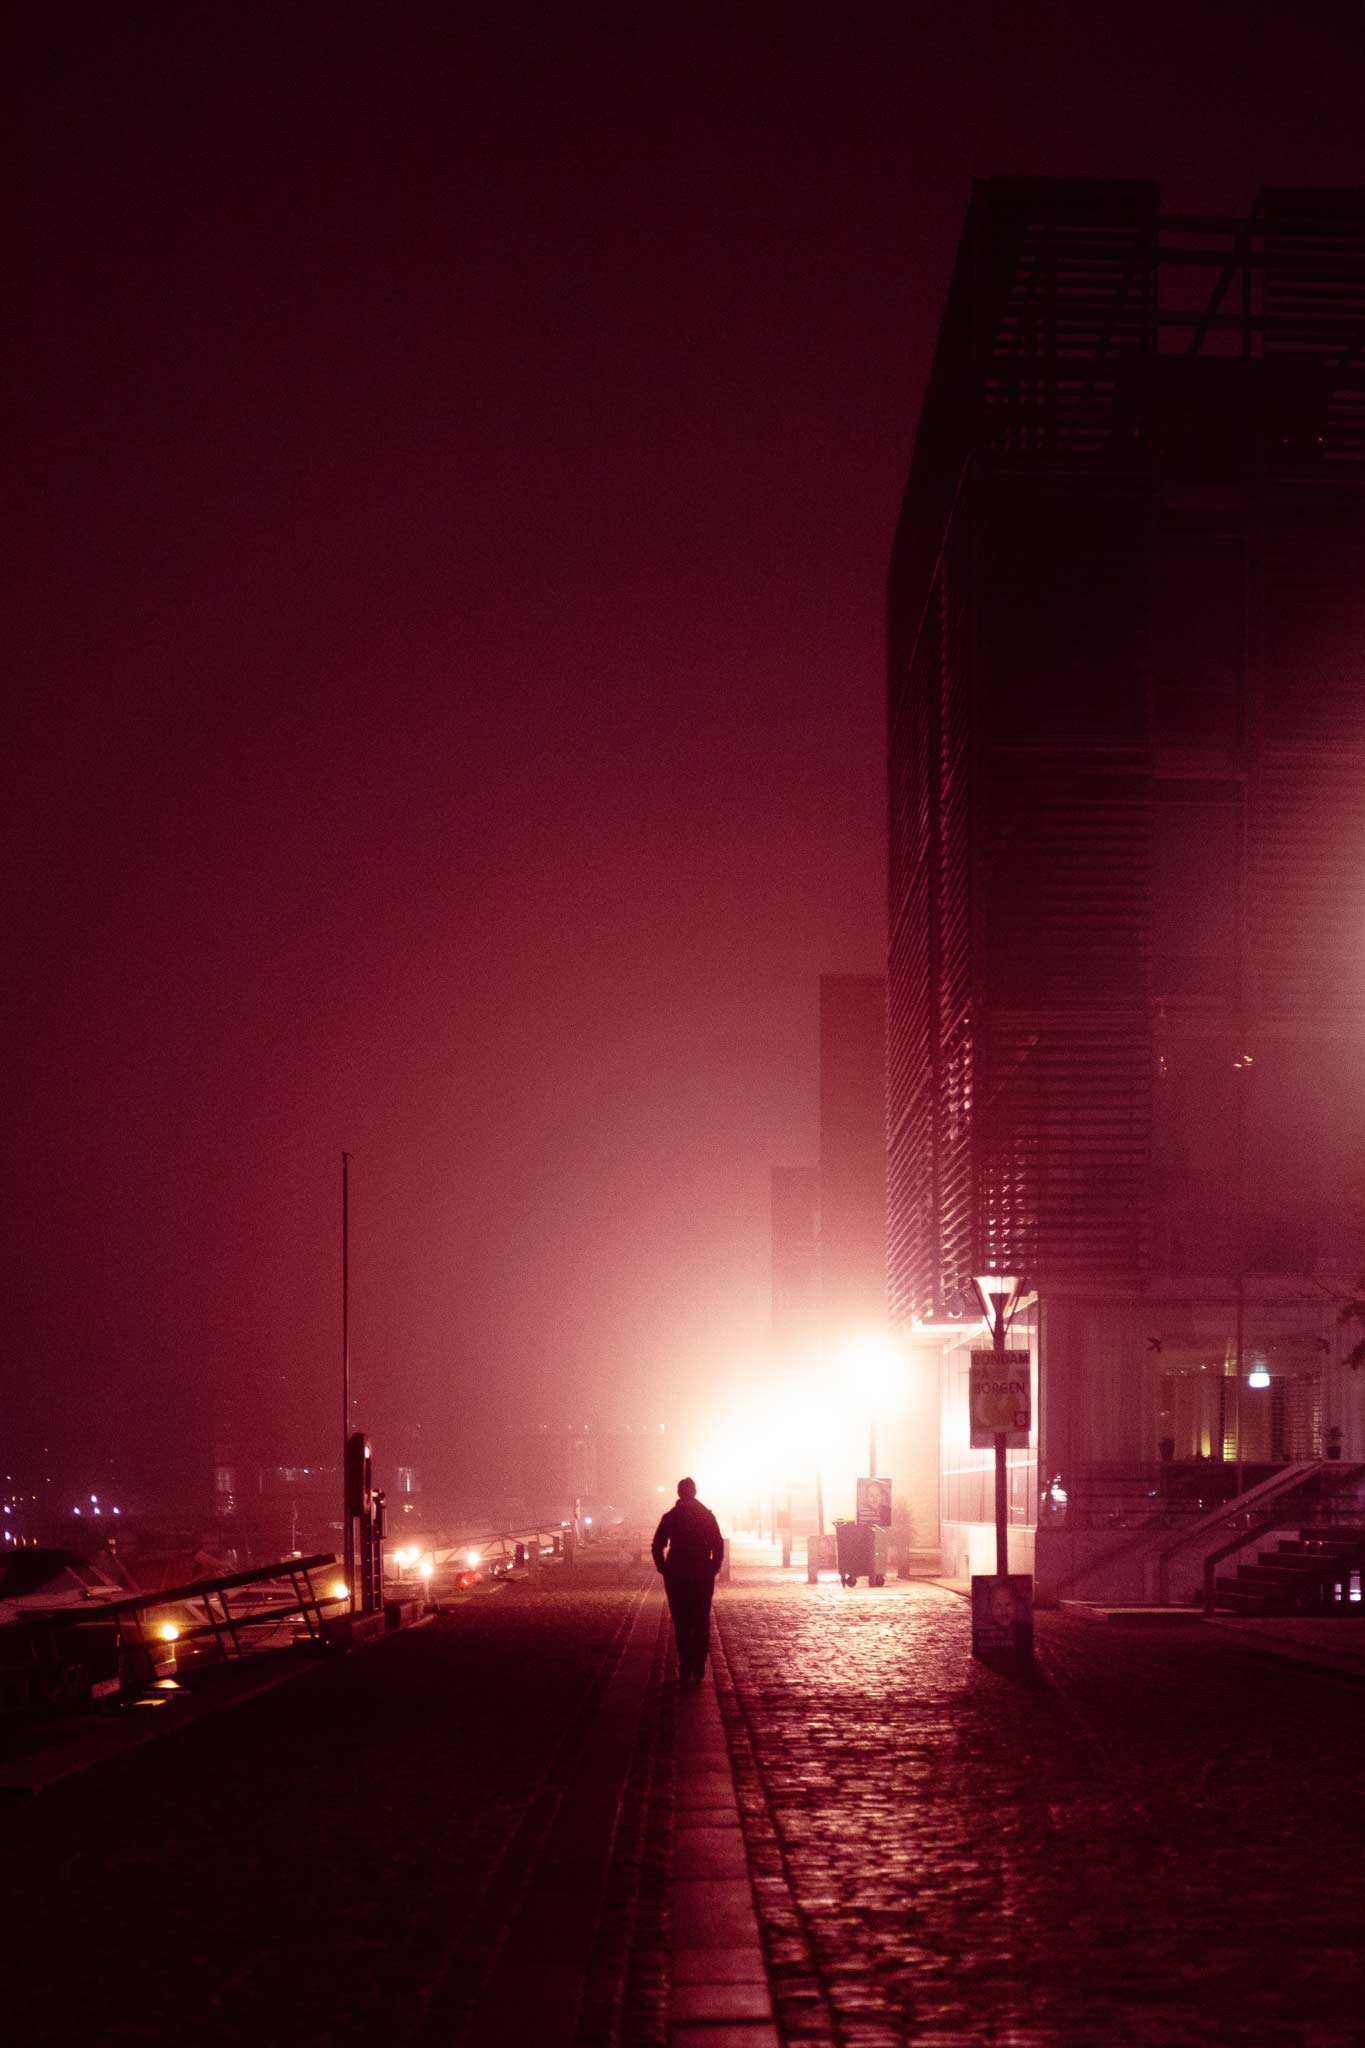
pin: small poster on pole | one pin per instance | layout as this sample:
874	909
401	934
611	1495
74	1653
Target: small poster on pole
874	1502
1002	1615
1001	1403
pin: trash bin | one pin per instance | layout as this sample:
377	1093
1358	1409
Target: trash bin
863	1552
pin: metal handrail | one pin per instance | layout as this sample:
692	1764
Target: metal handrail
1278	1485
134	1607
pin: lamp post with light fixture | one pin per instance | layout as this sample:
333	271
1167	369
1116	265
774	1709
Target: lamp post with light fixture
997	1293
347	1535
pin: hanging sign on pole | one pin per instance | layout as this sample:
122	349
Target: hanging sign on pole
1001	1403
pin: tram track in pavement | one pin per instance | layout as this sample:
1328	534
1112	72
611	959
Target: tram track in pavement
544	1950
345	1853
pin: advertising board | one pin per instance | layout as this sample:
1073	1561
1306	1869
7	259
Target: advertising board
1001	1402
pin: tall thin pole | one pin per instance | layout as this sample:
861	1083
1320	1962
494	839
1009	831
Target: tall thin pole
1242	1068
346	1355
345	1302
1002	1511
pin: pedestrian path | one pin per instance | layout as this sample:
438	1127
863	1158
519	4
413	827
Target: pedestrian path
1147	1840
513	1826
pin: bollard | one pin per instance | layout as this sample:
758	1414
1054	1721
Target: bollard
533	1555
812	1560
786	1547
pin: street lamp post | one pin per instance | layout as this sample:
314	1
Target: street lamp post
1001	1414
348	1540
997	1292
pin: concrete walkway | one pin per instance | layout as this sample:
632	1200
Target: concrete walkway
718	1975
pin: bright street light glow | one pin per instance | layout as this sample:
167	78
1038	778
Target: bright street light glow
873	1371
168	1632
340	1590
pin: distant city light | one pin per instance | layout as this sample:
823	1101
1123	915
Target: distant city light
1258	1376
425	1570
168	1632
471	1558
339	1589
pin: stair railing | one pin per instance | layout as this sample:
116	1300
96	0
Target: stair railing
1279	1487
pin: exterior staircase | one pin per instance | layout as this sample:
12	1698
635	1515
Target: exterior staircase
1321	1570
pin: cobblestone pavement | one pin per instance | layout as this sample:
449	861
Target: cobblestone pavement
336	1860
1158	1839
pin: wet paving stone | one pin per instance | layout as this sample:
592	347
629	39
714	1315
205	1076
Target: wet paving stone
1155	1838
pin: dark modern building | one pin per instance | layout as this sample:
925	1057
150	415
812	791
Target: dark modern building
1126	963
795	1215
829	1280
829	1221
852	1155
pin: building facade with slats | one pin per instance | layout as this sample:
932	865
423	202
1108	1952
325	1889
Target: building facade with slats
1126	960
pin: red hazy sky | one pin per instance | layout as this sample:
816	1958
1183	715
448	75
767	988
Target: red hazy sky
457	466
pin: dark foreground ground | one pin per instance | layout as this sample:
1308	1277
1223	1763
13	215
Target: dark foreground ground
469	1834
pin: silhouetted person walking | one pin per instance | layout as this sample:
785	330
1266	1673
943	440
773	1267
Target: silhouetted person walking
688	1549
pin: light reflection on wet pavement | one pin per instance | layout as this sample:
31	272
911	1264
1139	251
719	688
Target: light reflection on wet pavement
1158	1839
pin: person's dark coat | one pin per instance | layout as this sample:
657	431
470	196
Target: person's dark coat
689	1549
688	1543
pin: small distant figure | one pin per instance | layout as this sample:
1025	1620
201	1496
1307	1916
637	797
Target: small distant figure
689	1550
